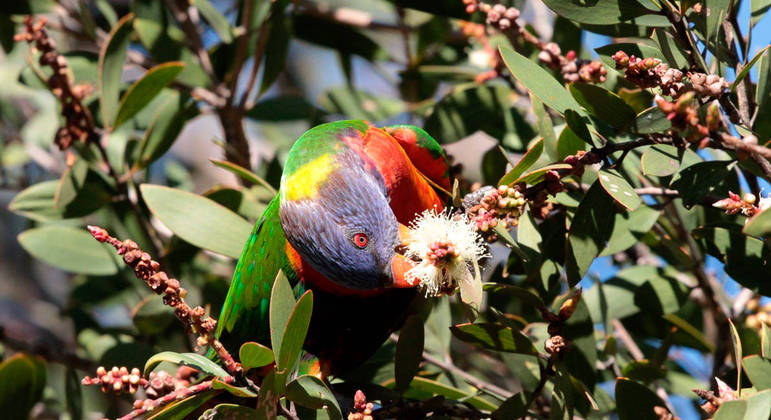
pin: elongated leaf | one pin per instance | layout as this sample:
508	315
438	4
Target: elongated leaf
746	70
628	228
569	144
217	21
765	341
193	360
284	108
74	394
759	225
145	89
69	249
513	408
545	128
660	160
438	388
758	9
651	120
281	305
762	124
278	47
71	183
310	391
589	230
669	47
689	329
409	352
696	181
296	330
494	336
22	379
164	128
229	412
238	391
603	104
758	369
359	104
538	81
606	12
181	410
618	188
111	59
745	257
635	401
197	219
757	406
577	124
254	355
527	160
536	176
243	173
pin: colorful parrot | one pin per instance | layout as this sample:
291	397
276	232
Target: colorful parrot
347	193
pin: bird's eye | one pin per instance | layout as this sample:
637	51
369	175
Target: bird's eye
360	240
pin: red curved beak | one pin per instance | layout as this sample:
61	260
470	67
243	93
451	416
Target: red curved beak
400	265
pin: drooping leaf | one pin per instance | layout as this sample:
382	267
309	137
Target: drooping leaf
545	128
70	249
193	360
745	258
538	81
409	352
577	124
254	355
494	336
277	46
197	219
628	228
167	122
243	173
526	161
603	104
589	230
111	59
689	329
145	89
217	21
438	388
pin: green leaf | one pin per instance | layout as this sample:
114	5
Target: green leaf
577	124
636	402
197	219
527	160
765	341
193	360
589	231
360	105
569	144
674	54
342	38
22	379
281	306
74	394
660	160
737	345
238	391
759	225
284	108
294	335
607	12
643	370
145	89
618	188
701	179
758	369
277	46
758	9
628	228
71	183
270	392
37	201
409	352
164	128
538	81
603	104
746	70
651	120
70	249
434	387
310	391
536	176
112	56
689	329
243	173
470	108
513	408
253	355
757	406
762	124
229	412
181	410
494	336
745	258
545	128
217	21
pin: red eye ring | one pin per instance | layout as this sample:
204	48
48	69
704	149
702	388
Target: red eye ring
360	240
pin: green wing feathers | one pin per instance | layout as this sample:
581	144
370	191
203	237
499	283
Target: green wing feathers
244	315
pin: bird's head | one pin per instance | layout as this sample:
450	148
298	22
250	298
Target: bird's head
336	215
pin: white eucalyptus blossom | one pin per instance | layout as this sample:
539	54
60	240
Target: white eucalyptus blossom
448	248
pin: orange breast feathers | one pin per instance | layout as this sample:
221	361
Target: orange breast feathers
410	193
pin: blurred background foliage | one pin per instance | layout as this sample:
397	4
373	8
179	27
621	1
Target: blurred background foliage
194	105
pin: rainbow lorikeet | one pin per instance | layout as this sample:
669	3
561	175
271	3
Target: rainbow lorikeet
347	193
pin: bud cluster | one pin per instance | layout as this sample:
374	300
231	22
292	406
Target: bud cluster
651	72
711	401
759	314
362	410
498	15
556	343
489	206
161	382
684	116
572	68
117	380
744	204
79	124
